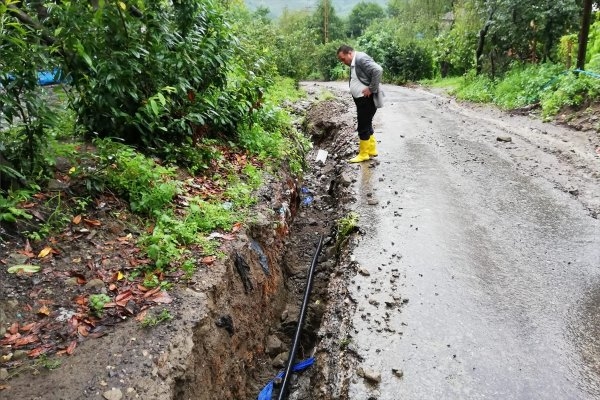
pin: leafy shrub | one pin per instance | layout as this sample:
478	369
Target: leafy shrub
522	84
326	60
570	90
145	183
410	62
476	88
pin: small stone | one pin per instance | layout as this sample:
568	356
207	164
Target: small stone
95	284
369	375
19	355
73	281
274	345
505	139
372	202
3	374
364	272
113	394
398	372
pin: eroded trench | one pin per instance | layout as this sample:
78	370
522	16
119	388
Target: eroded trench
246	317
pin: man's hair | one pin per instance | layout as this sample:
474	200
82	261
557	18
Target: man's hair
344	49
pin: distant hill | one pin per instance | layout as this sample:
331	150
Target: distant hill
342	7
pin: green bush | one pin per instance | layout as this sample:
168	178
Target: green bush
411	62
476	88
523	83
570	90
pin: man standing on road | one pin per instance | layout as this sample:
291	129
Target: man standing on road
365	76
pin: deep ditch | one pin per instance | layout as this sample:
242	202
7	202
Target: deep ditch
249	314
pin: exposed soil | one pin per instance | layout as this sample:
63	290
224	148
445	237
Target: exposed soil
232	320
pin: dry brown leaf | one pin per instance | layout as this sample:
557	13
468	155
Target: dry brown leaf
44	311
112	287
14	328
26	340
28	327
71	347
4	387
45	251
208	260
77	220
161	298
28	246
141	316
83	330
236	227
92	222
38	351
152	292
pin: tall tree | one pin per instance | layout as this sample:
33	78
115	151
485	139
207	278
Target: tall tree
326	21
362	15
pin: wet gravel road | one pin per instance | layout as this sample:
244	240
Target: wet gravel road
480	260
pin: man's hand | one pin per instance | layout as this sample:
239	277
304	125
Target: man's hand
367	92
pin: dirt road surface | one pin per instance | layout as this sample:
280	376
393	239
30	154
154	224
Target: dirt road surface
479	267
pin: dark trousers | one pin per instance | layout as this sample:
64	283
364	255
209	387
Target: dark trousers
365	111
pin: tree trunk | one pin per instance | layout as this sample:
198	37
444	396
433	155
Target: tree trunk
584	33
481	43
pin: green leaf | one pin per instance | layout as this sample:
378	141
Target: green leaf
27	268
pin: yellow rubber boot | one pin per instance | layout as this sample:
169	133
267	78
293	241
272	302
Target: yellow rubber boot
363	152
372	146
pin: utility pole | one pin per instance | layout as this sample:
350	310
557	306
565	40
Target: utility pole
325	21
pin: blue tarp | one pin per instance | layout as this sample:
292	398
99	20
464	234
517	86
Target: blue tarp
267	392
47	77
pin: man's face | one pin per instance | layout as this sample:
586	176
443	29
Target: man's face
346	58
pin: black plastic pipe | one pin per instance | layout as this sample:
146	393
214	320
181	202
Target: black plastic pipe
292	355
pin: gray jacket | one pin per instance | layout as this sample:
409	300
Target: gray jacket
368	71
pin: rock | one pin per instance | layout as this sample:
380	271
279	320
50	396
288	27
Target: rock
16	259
280	360
95	284
372	202
73	281
274	345
364	272
54	185
346	179
398	372
113	394
505	139
19	355
369	375
3	374
574	192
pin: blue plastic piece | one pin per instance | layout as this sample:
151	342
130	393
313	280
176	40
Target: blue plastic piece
267	392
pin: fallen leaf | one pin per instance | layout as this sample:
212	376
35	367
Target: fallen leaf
112	287
28	246
236	227
71	347
14	328
10	339
92	222
161	298
77	220
208	260
44	311
152	292
141	316
83	330
4	387
38	351
28	327
45	251
26	340
26	268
